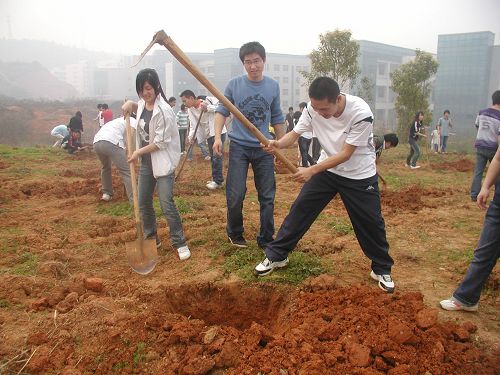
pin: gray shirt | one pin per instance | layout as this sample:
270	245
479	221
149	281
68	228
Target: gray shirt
445	126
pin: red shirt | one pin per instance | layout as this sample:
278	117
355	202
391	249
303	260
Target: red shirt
107	115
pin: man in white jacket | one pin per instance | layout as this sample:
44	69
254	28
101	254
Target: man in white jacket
205	106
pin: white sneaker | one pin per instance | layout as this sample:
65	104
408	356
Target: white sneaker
106	197
415	166
267	266
208	158
212	185
452	304
384	282
183	252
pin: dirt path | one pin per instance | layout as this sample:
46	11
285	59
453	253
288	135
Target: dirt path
70	304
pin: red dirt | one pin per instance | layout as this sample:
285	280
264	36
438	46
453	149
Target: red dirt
236	329
462	165
84	311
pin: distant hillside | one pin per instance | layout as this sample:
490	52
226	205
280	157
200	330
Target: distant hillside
32	81
49	54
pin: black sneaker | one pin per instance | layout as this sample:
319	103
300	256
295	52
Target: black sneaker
384	282
238	241
267	266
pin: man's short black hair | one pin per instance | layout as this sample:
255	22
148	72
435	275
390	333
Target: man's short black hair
496	97
392	138
324	87
172	99
188	94
446	111
252	47
302	105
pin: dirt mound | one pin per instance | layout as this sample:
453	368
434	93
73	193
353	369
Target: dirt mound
410	199
462	165
233	329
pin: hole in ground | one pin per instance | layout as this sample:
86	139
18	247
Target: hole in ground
233	305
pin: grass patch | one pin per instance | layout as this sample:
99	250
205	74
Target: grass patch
243	261
341	226
116	209
125	209
139	354
27	264
461	256
4	303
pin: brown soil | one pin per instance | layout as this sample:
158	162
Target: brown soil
84	311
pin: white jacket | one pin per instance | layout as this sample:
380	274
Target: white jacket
207	122
164	134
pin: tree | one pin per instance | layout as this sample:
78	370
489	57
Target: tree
412	85
336	57
365	90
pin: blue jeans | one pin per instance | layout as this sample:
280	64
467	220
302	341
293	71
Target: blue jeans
485	256
216	160
147	184
483	156
414	153
236	186
444	140
203	148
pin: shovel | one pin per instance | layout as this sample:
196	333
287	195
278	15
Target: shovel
142	255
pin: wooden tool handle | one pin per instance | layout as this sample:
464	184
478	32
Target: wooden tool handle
133	175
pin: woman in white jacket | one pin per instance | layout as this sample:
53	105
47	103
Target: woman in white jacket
158	146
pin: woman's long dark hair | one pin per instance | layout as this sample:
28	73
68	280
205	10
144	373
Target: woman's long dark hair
150	76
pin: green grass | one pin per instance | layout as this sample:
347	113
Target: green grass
27	264
125	209
119	366
341	226
243	261
139	354
4	303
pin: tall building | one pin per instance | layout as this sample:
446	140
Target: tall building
465	78
376	62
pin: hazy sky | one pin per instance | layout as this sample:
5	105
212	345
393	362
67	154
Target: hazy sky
126	27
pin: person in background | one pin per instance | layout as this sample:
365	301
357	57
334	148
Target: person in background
386	142
435	139
99	119
205	106
258	98
304	140
415	132
76	126
107	114
172	101
289	123
182	118
344	126
444	124
466	296
60	132
109	145
158	147
486	144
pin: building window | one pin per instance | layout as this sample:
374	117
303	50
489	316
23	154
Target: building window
285	68
285	79
285	103
382	69
381	92
285	91
297	91
276	67
277	79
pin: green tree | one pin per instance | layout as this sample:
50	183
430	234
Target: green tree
336	57
412	85
365	90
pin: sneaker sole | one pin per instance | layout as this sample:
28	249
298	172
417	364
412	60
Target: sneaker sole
374	277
